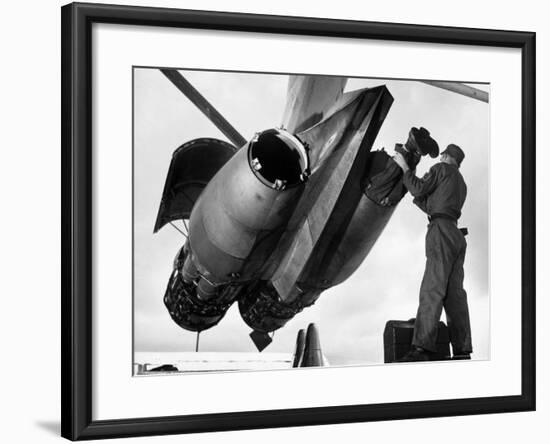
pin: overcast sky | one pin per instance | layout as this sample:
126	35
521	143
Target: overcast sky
351	317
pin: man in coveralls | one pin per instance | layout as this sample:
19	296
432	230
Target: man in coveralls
441	194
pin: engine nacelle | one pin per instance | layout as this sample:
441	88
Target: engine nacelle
263	310
373	201
183	301
241	214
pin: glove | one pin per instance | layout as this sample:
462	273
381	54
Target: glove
420	141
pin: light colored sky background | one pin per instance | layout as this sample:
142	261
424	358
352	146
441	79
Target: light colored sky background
351	317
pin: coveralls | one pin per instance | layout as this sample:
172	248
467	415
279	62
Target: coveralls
441	194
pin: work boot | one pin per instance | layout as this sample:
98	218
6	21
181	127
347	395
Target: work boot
417	354
420	140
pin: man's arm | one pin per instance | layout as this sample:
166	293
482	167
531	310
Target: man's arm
419	188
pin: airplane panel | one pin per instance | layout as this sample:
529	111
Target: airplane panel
333	178
308	99
192	166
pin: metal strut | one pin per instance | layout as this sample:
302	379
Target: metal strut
204	106
176	227
460	88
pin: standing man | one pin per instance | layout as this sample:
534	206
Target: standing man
441	194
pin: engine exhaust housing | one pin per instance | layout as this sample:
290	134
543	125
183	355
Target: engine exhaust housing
243	211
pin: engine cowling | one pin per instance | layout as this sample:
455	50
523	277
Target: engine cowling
243	211
263	310
183	301
193	165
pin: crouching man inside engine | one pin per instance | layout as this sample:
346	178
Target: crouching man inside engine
441	194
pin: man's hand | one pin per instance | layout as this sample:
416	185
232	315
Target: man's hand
400	160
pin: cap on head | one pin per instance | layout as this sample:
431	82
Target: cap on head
455	152
420	141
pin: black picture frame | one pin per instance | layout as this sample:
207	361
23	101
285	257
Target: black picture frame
76	246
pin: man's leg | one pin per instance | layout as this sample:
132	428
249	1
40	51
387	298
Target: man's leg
439	261
456	309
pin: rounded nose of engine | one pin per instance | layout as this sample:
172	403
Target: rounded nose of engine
278	158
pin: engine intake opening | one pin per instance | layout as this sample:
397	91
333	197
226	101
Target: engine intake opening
278	158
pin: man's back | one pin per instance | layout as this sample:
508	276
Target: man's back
442	191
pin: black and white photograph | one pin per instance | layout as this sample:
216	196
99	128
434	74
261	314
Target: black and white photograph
288	220
275	222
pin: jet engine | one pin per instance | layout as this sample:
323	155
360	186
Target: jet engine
234	226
